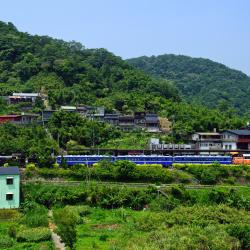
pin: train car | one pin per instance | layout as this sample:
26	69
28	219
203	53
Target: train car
148	159
200	159
151	159
241	159
84	159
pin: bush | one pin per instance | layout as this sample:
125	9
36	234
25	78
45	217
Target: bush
164	204
6	214
30	167
33	235
179	192
12	231
5	242
66	221
241	232
191	237
231	198
36	216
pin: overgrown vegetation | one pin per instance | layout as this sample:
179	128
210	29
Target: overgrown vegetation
130	172
27	229
105	196
119	171
200	80
216	173
71	75
181	218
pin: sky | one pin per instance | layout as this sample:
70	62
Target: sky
214	29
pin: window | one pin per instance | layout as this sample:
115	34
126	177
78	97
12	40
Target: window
9	180
9	197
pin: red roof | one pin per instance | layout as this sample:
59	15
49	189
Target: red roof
9	118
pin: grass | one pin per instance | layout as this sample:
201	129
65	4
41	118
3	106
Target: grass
10	243
104	228
202	194
182	228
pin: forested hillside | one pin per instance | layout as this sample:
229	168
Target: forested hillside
200	80
71	74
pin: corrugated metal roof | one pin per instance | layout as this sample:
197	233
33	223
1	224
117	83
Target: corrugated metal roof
9	171
26	94
239	132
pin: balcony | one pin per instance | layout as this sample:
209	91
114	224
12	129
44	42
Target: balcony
209	139
229	140
246	140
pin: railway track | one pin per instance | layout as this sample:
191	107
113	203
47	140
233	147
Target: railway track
125	184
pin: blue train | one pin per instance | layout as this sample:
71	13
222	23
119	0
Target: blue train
145	159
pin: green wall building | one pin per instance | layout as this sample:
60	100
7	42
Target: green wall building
9	187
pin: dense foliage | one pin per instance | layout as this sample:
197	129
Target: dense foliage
213	218
118	171
114	196
32	141
130	172
71	74
126	229
216	173
67	72
200	80
26	228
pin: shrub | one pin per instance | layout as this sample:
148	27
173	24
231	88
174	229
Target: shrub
5	242
179	192
231	198
241	232
33	235
164	204
231	180
36	216
30	167
124	170
149	222
66	221
192	237
12	231
6	214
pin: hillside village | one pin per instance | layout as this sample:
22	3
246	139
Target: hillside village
99	152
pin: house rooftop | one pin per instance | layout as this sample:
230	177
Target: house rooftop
208	133
9	171
9	116
68	107
239	132
26	94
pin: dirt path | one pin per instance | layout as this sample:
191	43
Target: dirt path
59	245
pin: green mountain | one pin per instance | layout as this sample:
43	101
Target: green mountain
71	74
200	80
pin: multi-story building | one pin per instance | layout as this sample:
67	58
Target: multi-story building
24	118
9	187
207	141
236	139
152	123
111	118
126	122
23	97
